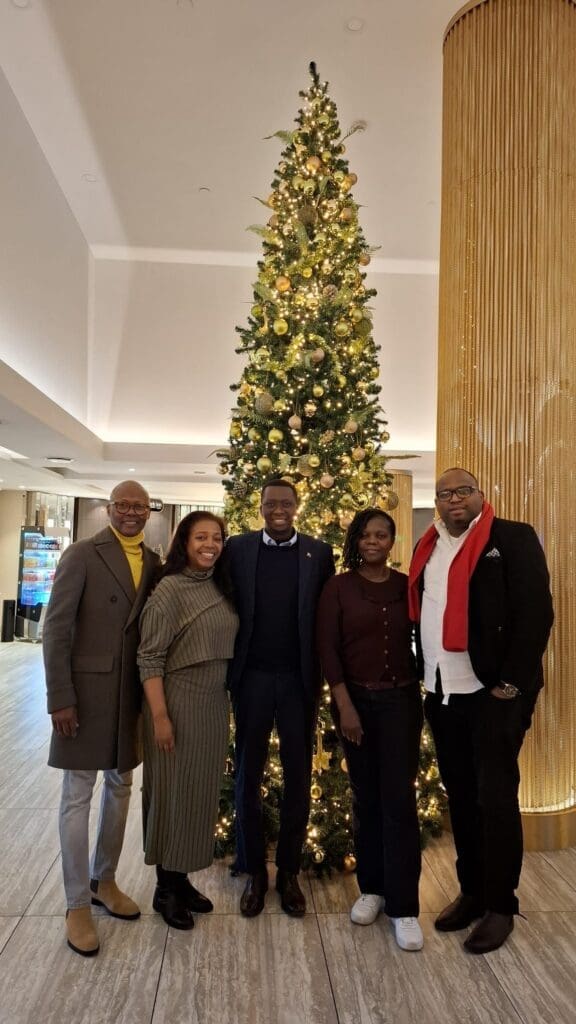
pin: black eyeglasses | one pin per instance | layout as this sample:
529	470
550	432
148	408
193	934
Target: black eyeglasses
461	492
123	507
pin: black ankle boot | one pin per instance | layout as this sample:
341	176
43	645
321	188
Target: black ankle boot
169	900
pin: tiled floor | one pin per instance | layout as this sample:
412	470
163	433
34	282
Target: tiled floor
270	970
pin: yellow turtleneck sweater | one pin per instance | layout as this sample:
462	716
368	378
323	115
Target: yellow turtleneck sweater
132	548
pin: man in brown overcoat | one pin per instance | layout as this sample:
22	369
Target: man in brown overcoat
90	641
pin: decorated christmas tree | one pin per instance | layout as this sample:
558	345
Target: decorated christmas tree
307	409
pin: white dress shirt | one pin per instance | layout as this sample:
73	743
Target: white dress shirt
456	670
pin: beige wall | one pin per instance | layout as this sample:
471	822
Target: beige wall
12	515
43	269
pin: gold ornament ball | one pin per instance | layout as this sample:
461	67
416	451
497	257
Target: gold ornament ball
253	434
344	522
283	284
358	454
261	355
306	272
279	404
319	855
310	408
393	500
254	498
297	182
274	221
303	466
257	311
374	372
249	469
315	791
364	259
349	862
312	302
339	176
384	436
344	766
350	427
326	155
280	326
264	464
235	429
356	314
317	355
314	461
295	422
326	481
264	404
342	329
347	215
313	164
275	436
353	177
272	199
317	391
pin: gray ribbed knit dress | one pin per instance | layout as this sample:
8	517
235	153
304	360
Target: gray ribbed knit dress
187	636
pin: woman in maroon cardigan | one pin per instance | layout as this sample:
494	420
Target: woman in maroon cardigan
364	639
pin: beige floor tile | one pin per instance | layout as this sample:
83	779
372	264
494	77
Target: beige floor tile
229	970
537	968
34	787
225	891
543	888
29	846
374	982
45	983
563	862
7	926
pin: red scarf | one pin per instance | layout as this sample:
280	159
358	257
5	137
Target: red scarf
455	625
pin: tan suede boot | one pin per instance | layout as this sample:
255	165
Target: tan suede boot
116	903
81	931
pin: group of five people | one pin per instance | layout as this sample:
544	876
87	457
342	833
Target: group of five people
263	616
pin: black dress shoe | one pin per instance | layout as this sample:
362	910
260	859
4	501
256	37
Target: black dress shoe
170	905
490	933
252	899
458	914
292	898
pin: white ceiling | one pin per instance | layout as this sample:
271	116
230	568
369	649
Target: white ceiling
139	106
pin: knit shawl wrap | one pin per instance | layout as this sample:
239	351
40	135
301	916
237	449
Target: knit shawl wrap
455	623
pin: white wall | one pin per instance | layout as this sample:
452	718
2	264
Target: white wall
43	269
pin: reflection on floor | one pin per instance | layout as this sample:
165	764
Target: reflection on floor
269	970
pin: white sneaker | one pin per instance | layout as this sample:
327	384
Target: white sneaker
408	932
366	909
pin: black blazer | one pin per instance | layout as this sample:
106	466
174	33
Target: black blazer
315	565
510	611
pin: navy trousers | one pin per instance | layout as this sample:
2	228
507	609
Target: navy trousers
265	700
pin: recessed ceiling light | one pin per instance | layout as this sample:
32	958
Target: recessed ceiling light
204	188
131	469
90	178
59	459
21	487
355	24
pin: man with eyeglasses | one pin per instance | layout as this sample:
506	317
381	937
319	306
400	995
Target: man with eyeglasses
90	641
479	591
274	678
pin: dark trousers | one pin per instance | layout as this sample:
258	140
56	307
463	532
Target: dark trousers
383	771
478	739
264	700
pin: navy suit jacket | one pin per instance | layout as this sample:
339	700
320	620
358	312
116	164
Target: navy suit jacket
315	565
510	611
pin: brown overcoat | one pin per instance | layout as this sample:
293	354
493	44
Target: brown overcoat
90	640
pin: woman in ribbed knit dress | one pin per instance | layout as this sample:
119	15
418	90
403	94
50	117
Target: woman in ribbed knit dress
187	628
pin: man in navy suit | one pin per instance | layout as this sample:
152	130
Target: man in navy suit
479	588
278	575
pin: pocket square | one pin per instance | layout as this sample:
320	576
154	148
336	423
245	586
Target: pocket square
493	553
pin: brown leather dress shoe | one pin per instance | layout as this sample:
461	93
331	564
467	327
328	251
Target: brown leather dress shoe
490	933
292	898
252	899
458	914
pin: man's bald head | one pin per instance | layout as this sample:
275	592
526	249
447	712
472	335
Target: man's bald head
129	508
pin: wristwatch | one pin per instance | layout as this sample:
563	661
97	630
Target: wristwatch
508	689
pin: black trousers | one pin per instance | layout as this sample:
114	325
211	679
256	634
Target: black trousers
478	739
383	771
264	700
